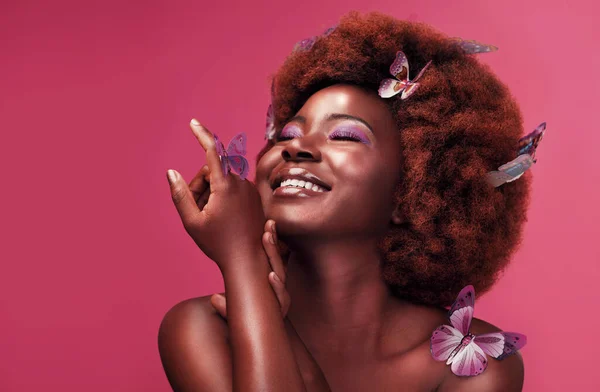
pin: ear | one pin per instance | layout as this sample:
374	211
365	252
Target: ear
397	216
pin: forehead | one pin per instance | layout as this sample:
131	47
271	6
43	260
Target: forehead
352	100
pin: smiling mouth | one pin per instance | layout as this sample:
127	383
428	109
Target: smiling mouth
298	188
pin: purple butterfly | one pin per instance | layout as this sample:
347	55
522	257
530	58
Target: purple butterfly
233	157
525	159
330	30
305	44
399	69
472	47
270	132
466	353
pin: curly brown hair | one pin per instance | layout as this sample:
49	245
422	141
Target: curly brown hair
460	124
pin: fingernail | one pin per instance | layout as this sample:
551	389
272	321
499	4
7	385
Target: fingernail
276	277
195	122
172	176
271	239
273	227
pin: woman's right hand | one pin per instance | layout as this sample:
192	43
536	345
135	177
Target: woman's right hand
277	254
221	212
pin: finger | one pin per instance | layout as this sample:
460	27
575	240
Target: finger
219	302
207	141
182	197
270	247
200	183
280	291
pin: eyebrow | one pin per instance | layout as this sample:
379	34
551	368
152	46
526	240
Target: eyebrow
335	116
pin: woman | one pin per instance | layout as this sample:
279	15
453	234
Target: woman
401	219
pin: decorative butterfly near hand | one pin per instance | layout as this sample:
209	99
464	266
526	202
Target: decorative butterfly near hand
471	46
467	352
233	157
399	69
525	159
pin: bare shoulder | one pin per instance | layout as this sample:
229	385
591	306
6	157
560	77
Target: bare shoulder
505	375
194	349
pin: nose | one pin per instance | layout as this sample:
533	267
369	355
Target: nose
301	149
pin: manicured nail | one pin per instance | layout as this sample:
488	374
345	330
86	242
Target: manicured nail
271	239
172	176
195	122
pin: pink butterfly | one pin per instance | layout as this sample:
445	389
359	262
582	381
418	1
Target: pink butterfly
399	69
464	351
233	157
525	159
305	44
471	46
270	132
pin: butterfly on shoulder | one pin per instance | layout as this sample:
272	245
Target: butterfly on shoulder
233	156
514	169
465	352
401	84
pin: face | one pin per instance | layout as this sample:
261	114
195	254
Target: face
345	139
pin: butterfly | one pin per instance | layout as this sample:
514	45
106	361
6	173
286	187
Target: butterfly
233	157
525	158
471	46
399	69
305	44
465	352
270	132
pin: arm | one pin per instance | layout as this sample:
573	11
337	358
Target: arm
262	355
197	352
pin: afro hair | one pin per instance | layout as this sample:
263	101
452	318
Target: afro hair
460	124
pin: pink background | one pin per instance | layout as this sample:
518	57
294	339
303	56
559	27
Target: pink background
95	102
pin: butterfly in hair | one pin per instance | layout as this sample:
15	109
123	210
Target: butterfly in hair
470	46
465	352
401	84
514	169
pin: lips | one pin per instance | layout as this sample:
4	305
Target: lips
298	174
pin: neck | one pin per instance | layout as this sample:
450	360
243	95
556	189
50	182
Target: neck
338	293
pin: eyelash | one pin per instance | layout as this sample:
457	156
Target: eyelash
338	134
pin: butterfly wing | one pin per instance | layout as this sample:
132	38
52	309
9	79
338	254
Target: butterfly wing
469	361
510	171
443	341
305	44
240	165
270	131
409	90
461	311
329	31
491	343
422	71
390	87
513	341
473	47
528	144
237	145
399	68
222	155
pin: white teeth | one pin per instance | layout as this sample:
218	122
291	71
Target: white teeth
302	184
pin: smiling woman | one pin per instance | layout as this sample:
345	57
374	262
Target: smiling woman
383	215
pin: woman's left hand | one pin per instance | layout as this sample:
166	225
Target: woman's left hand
277	277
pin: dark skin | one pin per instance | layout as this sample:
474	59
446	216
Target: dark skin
341	330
